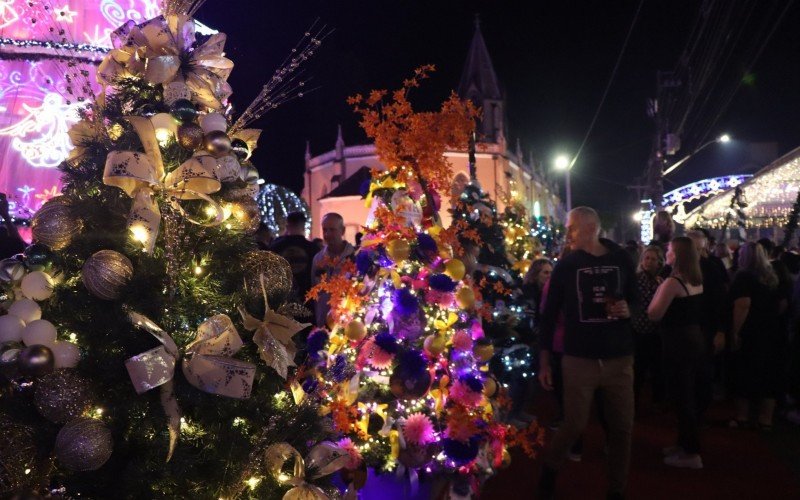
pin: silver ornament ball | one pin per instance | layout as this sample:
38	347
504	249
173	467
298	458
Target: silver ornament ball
62	396
106	273
55	224
84	444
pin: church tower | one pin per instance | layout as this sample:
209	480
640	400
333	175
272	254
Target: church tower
480	85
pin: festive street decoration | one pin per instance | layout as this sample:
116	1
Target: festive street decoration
399	373
770	195
144	267
276	202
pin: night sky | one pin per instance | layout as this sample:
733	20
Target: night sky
553	60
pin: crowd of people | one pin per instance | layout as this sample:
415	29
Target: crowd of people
683	320
687	318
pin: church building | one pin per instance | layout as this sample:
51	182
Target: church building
333	179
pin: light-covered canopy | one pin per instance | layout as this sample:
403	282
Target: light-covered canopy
770	195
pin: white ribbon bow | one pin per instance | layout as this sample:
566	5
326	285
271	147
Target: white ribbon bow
163	51
141	175
323	459
206	366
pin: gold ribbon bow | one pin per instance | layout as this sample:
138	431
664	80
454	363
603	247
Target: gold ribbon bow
323	459
207	366
163	50
141	175
366	409
273	335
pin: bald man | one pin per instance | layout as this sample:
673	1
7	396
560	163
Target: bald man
593	288
329	261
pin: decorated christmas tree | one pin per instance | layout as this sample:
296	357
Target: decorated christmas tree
146	342
521	247
402	372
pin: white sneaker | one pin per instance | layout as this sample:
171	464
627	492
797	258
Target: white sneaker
575	457
671	450
684	460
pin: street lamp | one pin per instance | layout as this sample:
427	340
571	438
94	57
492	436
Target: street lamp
723	139
562	162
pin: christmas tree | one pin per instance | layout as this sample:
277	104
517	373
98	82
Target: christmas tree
402	371
521	247
147	343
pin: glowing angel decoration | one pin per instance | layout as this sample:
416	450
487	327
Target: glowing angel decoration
41	136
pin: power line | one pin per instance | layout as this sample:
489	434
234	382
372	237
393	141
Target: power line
608	85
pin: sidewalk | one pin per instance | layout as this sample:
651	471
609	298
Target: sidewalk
739	464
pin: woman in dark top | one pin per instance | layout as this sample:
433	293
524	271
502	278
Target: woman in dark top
647	355
758	335
678	305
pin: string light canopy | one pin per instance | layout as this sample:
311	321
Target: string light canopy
276	202
769	194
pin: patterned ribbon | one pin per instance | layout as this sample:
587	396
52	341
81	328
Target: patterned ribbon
207	366
141	176
273	335
323	459
164	50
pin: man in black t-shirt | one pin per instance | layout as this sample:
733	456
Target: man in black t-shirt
298	251
591	288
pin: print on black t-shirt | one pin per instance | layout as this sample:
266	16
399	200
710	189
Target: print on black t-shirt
595	285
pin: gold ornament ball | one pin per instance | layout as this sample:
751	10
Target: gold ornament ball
483	352
106	273
434	344
55	224
246	214
218	143
276	272
398	250
84	444
190	136
465	297
62	396
355	331
455	269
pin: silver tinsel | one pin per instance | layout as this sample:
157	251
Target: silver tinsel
55	224
84	444
62	396
105	274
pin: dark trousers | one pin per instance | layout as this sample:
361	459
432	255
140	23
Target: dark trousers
683	388
582	378
686	366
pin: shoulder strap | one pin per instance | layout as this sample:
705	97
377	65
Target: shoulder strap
682	284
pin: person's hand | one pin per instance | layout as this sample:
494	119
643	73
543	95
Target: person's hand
619	310
719	342
545	371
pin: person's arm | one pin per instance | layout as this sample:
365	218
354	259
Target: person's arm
621	309
661	300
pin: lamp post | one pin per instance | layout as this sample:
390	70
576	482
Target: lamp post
562	162
723	139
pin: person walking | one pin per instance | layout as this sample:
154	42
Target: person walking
594	286
678	305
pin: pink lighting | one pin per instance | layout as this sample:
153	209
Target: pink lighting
36	110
